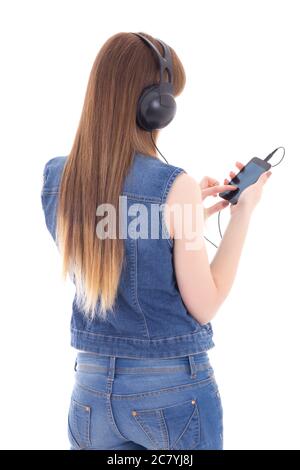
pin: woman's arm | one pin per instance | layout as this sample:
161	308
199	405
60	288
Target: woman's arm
204	286
225	263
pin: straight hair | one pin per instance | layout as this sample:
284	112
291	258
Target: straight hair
100	158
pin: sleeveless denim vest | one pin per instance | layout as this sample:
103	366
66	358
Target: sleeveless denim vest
149	319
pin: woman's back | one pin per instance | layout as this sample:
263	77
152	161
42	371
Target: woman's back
149	318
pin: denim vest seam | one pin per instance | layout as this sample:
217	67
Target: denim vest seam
136	289
83	342
133	276
50	191
140	198
138	340
169	182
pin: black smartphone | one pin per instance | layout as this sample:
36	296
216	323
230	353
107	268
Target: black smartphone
247	176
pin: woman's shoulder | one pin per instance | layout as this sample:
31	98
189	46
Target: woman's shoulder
151	176
185	189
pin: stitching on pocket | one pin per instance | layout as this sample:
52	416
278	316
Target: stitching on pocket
161	421
82	435
195	442
146	429
71	436
166	437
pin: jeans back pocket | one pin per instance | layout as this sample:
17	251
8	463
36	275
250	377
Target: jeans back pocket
171	427
79	421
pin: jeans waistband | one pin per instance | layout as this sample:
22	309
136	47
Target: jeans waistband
109	365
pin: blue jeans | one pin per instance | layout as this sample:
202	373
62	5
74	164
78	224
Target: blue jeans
126	404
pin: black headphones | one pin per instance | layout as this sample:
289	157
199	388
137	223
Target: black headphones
156	106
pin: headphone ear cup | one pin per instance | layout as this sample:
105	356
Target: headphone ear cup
155	110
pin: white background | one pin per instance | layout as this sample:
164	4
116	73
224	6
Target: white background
241	100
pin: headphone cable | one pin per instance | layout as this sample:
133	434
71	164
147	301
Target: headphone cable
220	232
157	148
168	164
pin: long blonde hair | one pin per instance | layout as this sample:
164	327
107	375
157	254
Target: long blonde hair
101	155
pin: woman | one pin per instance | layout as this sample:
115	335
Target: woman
145	290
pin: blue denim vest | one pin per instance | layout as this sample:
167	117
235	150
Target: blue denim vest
150	319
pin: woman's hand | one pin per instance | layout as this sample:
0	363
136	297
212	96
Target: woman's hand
251	195
211	187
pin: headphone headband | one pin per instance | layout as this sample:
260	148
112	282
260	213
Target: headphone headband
165	61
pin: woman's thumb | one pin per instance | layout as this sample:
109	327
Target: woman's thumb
264	176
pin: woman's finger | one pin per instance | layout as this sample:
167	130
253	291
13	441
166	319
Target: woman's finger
216	208
217	189
239	165
212	181
265	176
208	181
232	174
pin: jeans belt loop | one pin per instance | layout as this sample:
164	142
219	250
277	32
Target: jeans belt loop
192	366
